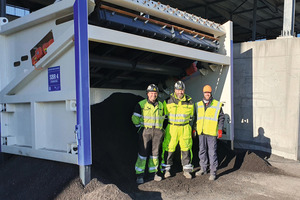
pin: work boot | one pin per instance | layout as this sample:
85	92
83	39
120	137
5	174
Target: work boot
167	174
200	172
140	179
212	177
157	178
187	175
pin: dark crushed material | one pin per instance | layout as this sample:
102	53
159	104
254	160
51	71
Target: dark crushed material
114	138
114	141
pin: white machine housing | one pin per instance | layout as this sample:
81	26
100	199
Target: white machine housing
38	118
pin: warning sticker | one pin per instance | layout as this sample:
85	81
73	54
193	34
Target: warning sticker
54	79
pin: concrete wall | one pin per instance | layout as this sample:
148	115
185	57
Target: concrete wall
266	96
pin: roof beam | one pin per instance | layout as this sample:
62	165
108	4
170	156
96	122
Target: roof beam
269	19
248	10
239	5
202	5
254	20
272	7
238	20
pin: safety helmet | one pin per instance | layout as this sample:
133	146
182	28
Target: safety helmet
179	85
152	88
207	88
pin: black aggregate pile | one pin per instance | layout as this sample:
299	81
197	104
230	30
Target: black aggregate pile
243	159
114	141
114	138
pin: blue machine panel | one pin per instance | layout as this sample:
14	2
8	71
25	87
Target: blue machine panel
83	128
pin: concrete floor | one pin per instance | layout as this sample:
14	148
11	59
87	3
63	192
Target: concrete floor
290	167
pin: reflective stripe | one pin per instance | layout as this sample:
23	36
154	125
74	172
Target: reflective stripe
207	119
217	111
179	112
153	164
178	120
152	116
162	117
140	164
178	115
137	114
138	125
165	167
154	157
189	166
142	157
138	169
200	106
149	117
152	124
152	168
212	119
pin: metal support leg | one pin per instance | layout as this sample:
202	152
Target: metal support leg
83	129
2	8
85	174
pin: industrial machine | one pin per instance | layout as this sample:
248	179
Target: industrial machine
57	61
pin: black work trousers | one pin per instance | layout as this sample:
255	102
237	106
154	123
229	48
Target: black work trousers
150	140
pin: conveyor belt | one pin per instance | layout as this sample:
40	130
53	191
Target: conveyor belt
136	24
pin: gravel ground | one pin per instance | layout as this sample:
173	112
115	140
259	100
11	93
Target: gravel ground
242	174
30	178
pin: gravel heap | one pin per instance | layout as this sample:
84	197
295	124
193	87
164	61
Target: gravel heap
114	141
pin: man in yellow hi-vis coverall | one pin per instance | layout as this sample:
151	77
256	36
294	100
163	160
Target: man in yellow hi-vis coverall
180	110
148	115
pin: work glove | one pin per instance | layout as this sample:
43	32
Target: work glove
219	133
194	133
140	130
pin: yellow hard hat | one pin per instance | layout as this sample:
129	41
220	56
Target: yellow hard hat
207	88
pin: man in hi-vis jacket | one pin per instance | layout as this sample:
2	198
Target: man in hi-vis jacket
148	115
209	125
179	109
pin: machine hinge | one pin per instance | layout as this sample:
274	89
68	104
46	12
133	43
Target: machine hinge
77	133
